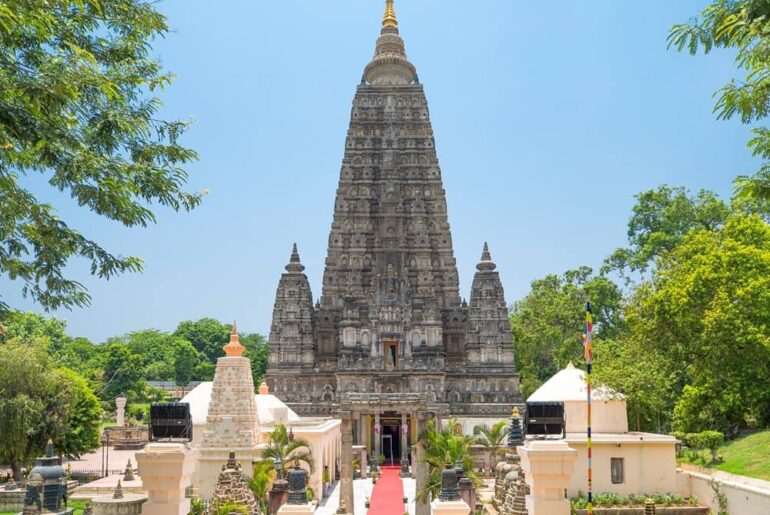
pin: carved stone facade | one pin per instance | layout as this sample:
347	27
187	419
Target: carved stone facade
390	318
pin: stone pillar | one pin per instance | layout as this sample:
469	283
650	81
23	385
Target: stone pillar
548	466
278	495
467	492
360	427
167	470
420	467
377	438
404	444
120	404
346	459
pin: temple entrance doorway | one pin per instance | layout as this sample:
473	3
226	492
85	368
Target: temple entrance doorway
391	438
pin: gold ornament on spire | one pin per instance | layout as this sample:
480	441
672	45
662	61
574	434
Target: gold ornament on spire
234	349
389	20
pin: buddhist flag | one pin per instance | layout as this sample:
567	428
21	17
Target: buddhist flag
588	335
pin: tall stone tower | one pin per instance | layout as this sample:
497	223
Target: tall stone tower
390	319
231	423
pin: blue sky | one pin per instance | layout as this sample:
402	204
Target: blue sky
548	117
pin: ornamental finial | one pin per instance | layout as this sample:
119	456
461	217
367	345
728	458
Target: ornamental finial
234	349
389	20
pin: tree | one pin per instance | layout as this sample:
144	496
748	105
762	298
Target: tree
661	218
444	445
123	371
257	352
207	335
38	402
28	325
24	382
185	360
82	416
492	438
704	319
742	26
76	105
289	450
547	324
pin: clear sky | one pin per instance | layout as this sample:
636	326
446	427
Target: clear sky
548	118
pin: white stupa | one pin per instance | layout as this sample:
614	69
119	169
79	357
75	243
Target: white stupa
569	386
231	421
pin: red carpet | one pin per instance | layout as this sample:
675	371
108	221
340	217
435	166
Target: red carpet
388	494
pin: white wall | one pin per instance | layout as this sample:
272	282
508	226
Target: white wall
741	499
648	468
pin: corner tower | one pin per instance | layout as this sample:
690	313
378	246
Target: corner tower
390	319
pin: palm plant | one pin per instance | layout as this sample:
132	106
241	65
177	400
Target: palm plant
289	450
231	508
492	439
442	445
262	478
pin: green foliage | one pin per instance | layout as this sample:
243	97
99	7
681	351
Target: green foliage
81	426
197	507
705	314
76	104
660	220
289	451
747	456
263	474
608	500
229	508
38	402
207	335
442	444
492	438
742	26
547	324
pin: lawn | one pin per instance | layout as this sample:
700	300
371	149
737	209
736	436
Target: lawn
747	456
78	505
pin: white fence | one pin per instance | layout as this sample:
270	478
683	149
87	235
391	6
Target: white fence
751	497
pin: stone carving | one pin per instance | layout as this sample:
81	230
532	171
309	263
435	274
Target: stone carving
232	489
390	297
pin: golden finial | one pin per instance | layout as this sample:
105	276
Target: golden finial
234	348
389	20
515	413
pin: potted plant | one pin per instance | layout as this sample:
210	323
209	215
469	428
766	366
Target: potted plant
366	502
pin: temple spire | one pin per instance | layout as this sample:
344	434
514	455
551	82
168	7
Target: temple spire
234	349
389	20
294	263
486	263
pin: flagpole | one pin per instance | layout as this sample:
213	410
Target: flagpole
588	337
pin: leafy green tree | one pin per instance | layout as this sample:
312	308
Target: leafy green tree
492	438
705	317
38	402
289	450
24	383
76	85
82	415
26	325
123	371
207	335
660	220
185	360
742	26
547	324
257	352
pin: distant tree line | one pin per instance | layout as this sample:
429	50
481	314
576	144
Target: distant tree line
53	385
